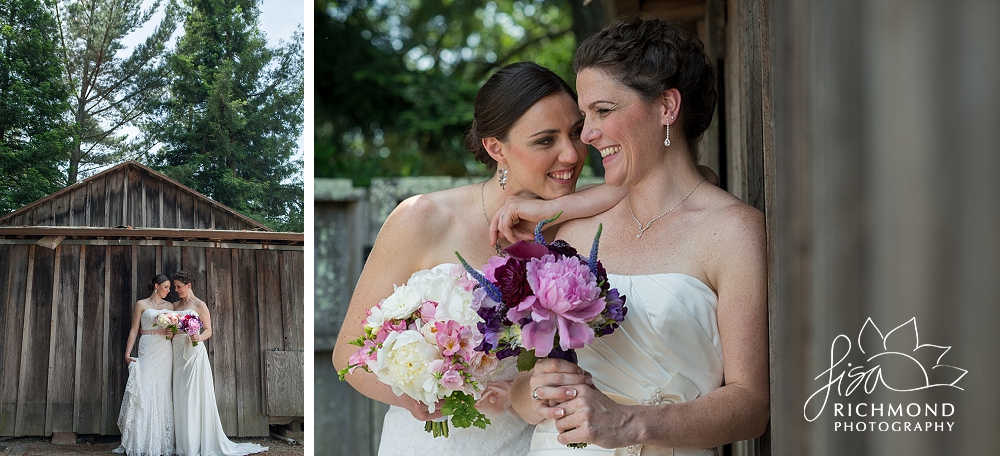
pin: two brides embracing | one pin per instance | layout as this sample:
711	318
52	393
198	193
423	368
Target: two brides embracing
686	371
169	404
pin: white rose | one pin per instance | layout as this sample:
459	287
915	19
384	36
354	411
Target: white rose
401	304
403	363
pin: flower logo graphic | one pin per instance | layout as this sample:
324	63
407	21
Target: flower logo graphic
895	359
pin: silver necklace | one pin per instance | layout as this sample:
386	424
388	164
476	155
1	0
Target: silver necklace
482	196
637	222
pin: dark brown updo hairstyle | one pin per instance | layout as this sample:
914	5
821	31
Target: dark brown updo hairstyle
504	99
185	277
651	56
156	280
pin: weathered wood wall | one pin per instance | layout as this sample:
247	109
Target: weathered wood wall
882	203
130	195
66	314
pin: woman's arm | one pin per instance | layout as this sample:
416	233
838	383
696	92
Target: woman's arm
206	322
517	218
736	267
133	332
397	254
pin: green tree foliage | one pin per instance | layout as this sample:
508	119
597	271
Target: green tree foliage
235	109
110	92
33	135
396	79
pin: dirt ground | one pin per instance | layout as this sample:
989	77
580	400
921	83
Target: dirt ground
30	446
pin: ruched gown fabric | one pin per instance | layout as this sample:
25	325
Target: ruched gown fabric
196	415
146	419
667	350
506	435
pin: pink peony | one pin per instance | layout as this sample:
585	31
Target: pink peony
491	265
566	297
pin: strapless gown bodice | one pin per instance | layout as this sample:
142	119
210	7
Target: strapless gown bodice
667	350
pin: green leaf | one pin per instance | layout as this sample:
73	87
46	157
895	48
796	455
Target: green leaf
526	360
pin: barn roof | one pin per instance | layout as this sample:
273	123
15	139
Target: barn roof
135	201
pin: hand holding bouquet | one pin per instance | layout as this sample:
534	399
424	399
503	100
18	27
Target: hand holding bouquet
421	341
191	324
169	321
545	300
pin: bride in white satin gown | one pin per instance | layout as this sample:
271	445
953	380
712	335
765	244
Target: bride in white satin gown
146	419
197	427
687	370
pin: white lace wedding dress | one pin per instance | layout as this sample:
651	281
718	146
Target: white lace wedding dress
666	351
146	419
196	414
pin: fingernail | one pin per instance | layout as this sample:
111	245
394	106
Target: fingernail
588	381
560	412
571	393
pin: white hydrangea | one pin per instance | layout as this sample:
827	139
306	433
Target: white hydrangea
454	303
402	303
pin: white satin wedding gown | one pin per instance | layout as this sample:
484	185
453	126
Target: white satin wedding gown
146	419
196	415
666	351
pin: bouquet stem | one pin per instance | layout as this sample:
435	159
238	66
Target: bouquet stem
437	428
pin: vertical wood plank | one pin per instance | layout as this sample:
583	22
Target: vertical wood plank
117	195
171	263
185	210
119	313
34	374
5	280
53	328
63	360
94	356
136	200
250	411
293	305
78	348
221	348
202	214
168	195
61	210
152	211
146	266
17	284
97	213
78	207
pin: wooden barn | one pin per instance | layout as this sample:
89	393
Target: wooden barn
73	264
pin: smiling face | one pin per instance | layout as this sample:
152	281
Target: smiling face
627	130
182	289
543	150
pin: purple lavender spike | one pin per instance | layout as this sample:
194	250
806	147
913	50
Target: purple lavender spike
592	262
538	228
491	290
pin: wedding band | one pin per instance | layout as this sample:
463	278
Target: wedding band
534	394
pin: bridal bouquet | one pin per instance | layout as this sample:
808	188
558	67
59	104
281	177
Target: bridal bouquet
169	321
545	300
421	341
191	324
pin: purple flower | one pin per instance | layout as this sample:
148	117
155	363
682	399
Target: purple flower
566	297
561	247
616	309
491	265
511	279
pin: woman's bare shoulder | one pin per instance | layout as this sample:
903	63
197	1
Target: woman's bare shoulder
426	216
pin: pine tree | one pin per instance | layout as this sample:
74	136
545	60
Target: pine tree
33	135
234	112
111	92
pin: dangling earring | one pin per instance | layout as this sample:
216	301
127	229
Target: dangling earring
666	142
503	178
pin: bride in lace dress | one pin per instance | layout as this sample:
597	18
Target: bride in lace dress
146	419
527	125
196	415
